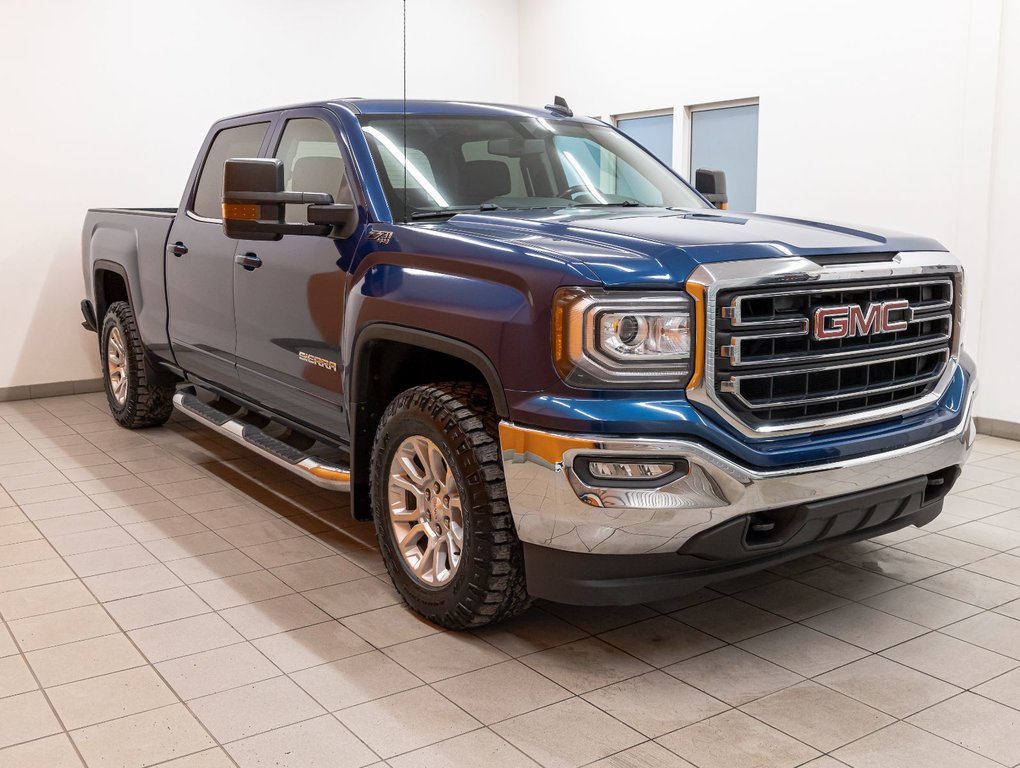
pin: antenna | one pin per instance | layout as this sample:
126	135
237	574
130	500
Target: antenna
404	111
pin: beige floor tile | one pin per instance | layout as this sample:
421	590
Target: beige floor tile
865	627
661	641
970	587
1004	567
208	501
355	596
142	739
270	617
901	745
114	499
647	755
261	532
218	565
71	524
25	717
989	630
10	515
802	650
165	528
220	669
585	665
384	726
151	510
388	626
850	581
887	686
190	545
109	697
730	620
655	703
240	590
946	549
228	517
255	708
83	659
72	504
950	659
184	637
355	680
1004	689
62	627
501	691
734	740
15	676
733	675
131	582
7	646
920	606
30	497
321	572
115	483
311	646
288	551
977	724
596	619
109	560
985	534
14	577
323	742
18	533
156	608
51	752
437	657
792	600
818	716
47	598
534	630
26	552
481	747
210	758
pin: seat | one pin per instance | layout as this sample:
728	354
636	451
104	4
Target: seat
484	180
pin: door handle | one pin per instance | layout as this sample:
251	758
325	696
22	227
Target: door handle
178	249
249	261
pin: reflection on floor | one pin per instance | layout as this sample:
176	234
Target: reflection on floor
169	599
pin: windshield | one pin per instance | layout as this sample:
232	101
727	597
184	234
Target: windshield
453	164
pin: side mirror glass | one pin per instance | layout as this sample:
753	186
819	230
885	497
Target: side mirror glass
254	204
712	184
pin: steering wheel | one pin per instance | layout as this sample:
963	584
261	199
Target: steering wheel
570	192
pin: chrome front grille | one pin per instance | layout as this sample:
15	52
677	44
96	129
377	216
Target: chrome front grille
769	366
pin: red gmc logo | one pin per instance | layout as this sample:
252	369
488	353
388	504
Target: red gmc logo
853	320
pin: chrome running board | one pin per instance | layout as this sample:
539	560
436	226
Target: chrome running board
312	468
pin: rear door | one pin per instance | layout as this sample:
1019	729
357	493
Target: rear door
289	309
200	260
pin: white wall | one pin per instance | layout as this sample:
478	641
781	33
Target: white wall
879	112
106	104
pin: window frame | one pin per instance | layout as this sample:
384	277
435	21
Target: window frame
615	119
214	134
687	145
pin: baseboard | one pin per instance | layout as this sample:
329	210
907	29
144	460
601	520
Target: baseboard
53	389
997	428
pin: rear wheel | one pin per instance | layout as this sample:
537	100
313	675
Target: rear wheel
440	507
139	393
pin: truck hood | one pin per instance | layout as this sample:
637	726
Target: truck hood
638	246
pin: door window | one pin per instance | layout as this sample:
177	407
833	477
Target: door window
240	141
311	163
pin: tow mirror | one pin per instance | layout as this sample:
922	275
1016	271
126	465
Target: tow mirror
255	204
712	184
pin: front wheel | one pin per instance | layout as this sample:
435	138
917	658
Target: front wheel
441	510
139	394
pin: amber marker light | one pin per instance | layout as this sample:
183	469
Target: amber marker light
240	211
696	291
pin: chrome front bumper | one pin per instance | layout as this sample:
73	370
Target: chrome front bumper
546	495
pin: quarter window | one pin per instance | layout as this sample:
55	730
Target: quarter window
240	141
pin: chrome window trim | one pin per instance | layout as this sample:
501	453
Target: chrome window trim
775	273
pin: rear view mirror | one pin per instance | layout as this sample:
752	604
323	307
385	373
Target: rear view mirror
712	184
254	203
516	147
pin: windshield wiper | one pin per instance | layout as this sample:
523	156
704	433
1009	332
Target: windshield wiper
438	213
622	203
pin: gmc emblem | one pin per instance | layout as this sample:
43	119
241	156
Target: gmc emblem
852	320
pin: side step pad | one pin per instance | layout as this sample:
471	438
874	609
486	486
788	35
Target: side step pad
312	468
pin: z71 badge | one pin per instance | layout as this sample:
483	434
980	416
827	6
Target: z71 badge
322	362
381	236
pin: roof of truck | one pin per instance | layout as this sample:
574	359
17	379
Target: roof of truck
360	105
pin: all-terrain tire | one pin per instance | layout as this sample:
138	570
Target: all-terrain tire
488	585
145	396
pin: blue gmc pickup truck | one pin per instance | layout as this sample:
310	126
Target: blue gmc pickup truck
538	359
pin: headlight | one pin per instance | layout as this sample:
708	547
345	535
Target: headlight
622	339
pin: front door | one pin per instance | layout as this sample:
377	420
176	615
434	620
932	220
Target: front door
200	264
289	308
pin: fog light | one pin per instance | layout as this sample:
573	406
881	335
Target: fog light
618	470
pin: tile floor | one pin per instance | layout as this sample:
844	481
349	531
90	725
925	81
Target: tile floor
168	599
